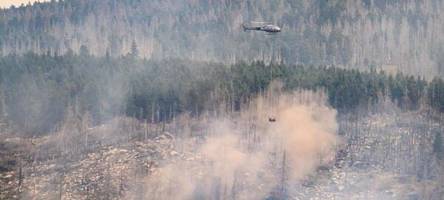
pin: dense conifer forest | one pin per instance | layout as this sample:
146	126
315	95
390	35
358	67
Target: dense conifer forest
36	90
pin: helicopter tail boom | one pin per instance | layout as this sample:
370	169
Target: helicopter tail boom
248	28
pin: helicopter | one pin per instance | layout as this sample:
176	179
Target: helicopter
269	28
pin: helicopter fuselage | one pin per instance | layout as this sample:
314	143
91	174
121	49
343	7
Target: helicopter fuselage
267	28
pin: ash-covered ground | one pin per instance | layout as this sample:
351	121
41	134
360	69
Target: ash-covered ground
384	155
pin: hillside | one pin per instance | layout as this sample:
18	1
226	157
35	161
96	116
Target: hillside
388	155
79	127
174	100
392	35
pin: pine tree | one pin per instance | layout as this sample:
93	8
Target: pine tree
83	51
134	51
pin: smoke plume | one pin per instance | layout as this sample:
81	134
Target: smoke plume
275	141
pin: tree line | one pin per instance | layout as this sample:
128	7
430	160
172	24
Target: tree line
37	90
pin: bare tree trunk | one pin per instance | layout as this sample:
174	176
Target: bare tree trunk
62	177
20	176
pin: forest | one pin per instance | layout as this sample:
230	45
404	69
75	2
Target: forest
115	117
36	90
173	100
346	33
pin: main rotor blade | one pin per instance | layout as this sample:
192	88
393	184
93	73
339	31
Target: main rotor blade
260	22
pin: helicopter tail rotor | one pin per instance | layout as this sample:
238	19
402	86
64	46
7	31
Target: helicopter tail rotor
244	27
